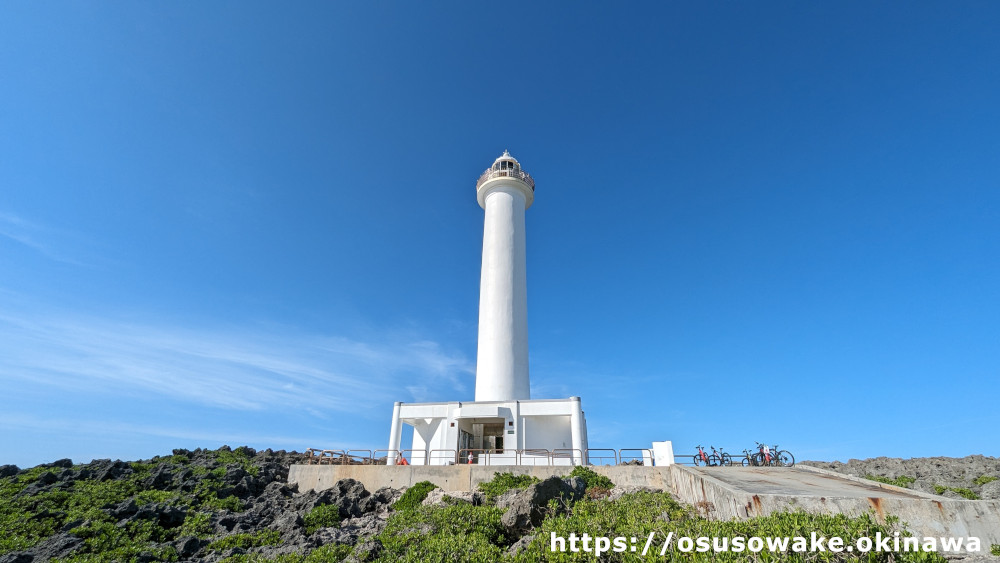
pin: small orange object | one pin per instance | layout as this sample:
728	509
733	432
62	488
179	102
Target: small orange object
402	461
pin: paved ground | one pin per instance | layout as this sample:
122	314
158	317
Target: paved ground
788	481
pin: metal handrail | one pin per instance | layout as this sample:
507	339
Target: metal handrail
484	456
411	459
463	455
515	173
387	452
621	456
361	459
569	453
536	452
452	458
591	457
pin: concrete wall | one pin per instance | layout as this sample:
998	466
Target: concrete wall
925	515
460	477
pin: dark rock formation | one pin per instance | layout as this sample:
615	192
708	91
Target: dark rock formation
528	508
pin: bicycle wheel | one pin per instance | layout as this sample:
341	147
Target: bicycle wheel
745	462
785	458
757	459
697	460
713	460
727	460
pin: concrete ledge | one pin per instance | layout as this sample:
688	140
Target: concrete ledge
460	477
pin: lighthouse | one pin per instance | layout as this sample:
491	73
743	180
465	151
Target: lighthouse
503	425
504	191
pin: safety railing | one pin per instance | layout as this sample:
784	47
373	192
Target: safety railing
446	457
358	457
506	173
573	455
323	457
632	459
602	456
476	456
389	454
483	456
534	456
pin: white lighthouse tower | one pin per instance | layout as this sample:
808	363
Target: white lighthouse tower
505	192
503	426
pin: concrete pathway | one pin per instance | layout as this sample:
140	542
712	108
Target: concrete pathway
791	481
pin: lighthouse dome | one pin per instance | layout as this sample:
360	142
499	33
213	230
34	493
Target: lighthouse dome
506	162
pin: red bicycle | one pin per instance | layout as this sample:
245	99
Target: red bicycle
702	458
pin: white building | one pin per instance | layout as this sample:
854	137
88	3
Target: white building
503	426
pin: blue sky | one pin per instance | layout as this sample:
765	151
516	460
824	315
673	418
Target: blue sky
234	223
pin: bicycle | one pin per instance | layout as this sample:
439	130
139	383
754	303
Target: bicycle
763	456
702	457
747	460
783	458
724	458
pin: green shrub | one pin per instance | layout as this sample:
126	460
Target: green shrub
196	524
414	496
453	533
240	455
245	541
967	493
503	482
962	491
322	516
983	479
995	549
901	481
591	478
329	553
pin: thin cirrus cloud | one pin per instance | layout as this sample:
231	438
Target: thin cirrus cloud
38	237
235	369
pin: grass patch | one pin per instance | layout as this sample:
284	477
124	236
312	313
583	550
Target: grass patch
592	478
503	482
246	541
451	533
413	496
901	481
322	516
196	524
961	491
983	479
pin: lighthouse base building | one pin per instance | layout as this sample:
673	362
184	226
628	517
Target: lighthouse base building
530	432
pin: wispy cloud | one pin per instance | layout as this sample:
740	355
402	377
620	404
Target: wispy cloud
224	368
83	428
35	236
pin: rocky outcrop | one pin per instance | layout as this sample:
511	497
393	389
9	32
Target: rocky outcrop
527	508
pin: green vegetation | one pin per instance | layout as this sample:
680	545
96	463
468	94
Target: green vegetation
246	541
323	516
196	525
413	496
240	455
995	549
962	491
503	482
452	533
591	478
84	507
901	481
983	479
